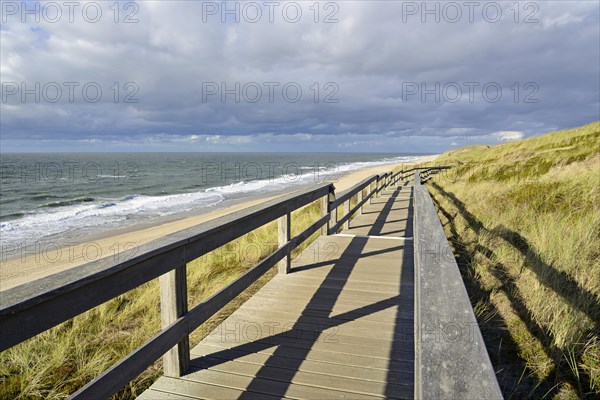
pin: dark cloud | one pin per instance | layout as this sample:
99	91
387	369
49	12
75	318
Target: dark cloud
361	78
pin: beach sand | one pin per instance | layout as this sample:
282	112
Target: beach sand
30	266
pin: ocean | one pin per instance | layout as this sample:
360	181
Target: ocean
50	197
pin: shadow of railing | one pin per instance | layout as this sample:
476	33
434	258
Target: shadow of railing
378	226
510	367
404	339
559	282
295	350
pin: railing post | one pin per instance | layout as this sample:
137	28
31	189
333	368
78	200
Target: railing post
332	212
377	186
173	304
324	206
284	236
359	197
346	224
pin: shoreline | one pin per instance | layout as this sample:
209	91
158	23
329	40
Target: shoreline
41	262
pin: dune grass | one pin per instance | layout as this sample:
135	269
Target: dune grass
59	361
524	222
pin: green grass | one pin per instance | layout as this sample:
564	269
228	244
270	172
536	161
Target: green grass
524	223
59	361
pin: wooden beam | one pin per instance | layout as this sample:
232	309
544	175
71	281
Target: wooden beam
283	234
324	212
332	212
359	197
173	304
346	224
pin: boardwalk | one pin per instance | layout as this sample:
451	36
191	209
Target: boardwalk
340	325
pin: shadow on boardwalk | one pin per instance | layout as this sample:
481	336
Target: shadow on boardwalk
399	379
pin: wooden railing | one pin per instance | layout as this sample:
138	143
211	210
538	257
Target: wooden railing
30	309
451	360
426	173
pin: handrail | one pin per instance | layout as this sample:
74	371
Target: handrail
451	359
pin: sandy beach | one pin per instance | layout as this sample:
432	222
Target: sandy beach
31	265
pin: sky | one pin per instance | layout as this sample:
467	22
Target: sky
339	76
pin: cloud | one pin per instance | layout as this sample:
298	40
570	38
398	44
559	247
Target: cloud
508	136
181	77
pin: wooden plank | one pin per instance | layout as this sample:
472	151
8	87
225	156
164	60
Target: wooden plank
385	311
330	328
242	333
210	354
317	355
272	387
152	394
199	390
284	229
332	211
173	305
324	213
390	288
359	197
354	326
344	304
289	372
376	315
347	215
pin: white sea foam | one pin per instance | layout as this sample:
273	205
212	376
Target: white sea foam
110	213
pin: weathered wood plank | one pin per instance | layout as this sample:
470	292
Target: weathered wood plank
284	228
173	305
159	395
199	390
347	215
208	354
324	213
359	202
273	387
321	380
334	358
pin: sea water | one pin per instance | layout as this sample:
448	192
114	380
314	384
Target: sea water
45	197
